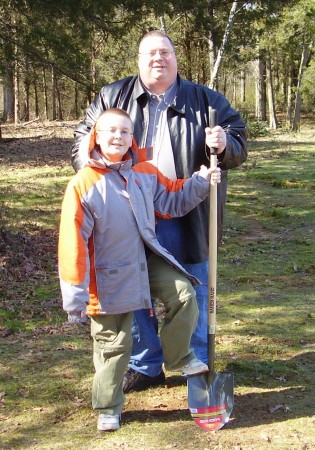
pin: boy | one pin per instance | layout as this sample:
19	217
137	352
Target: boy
111	263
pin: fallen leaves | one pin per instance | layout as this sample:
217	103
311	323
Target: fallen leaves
24	392
282	379
5	331
160	405
31	356
276	408
78	401
2	396
68	347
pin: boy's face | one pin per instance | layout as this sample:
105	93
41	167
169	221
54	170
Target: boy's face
114	136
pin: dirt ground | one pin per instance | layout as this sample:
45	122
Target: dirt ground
256	412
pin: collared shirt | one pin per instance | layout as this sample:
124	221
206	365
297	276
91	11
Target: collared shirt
158	135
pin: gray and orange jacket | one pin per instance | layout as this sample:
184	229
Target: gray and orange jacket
108	218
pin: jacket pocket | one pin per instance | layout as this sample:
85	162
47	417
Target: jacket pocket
117	288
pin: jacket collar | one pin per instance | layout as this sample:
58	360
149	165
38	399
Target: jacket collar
124	165
96	160
139	93
179	103
142	95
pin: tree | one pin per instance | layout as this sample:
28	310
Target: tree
54	56
298	99
293	32
260	112
219	56
308	86
273	123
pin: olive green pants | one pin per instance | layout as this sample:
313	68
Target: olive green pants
112	339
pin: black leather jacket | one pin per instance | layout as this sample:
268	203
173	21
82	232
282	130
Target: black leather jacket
187	118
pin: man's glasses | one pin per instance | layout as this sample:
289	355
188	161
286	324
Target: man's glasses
113	131
165	54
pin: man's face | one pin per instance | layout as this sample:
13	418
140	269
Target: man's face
157	63
114	136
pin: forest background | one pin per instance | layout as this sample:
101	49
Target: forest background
56	55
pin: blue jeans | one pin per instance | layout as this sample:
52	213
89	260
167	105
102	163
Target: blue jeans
147	355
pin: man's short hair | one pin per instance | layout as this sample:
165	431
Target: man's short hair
157	33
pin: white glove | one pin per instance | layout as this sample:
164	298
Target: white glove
214	176
77	317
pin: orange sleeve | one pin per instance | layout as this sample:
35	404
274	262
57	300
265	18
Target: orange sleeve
73	236
150	169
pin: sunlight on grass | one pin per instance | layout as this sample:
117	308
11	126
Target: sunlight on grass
34	193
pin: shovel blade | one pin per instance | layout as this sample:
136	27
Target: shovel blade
211	399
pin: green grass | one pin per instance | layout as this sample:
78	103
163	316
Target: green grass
265	317
32	196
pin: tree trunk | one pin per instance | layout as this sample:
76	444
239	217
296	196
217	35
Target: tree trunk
27	93
16	92
36	100
8	94
58	98
234	91
243	86
211	40
93	69
215	71
289	95
298	99
76	100
271	98
45	94
224	85
163	25
188	63
53	87
261	89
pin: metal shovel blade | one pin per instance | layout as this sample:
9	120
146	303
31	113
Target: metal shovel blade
211	399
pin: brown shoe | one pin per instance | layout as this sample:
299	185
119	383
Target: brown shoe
136	381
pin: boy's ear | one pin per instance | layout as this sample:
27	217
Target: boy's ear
93	138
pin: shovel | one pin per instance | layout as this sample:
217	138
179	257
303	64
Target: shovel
210	395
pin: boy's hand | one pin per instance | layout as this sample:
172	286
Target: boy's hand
214	176
77	317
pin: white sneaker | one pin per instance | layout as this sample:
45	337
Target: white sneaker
194	367
108	422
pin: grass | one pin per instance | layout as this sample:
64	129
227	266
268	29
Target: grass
266	314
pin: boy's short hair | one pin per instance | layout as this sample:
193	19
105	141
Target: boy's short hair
116	111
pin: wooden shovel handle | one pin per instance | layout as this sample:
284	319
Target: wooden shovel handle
213	225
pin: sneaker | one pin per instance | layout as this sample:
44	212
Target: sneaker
136	381
108	422
194	367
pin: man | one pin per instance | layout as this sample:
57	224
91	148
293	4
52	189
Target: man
170	114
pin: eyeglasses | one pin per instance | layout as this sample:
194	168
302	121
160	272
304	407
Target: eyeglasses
165	54
113	131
